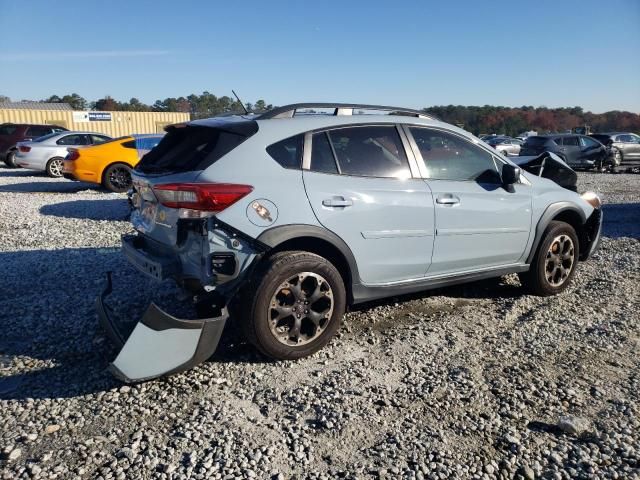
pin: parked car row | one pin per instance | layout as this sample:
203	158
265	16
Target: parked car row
11	134
578	151
599	151
86	156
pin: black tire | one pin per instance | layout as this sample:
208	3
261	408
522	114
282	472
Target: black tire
273	292
54	167
117	178
548	274
10	159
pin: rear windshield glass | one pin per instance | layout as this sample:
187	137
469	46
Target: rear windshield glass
193	147
7	129
47	137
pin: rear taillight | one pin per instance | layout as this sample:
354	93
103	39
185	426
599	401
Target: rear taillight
73	154
24	149
210	197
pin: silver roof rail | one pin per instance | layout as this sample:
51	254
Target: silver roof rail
289	111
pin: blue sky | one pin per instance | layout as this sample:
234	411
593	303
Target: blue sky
407	53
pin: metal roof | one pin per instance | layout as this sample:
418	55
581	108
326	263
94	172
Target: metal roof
35	106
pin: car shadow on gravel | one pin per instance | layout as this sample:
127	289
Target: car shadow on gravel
48	187
51	345
621	220
18	172
114	209
491	288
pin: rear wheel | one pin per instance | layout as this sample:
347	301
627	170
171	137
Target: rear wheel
10	159
117	178
54	167
295	305
555	262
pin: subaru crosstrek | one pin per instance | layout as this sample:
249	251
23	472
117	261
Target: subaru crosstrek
298	216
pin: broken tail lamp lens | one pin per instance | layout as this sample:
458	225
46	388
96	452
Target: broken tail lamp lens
592	199
207	197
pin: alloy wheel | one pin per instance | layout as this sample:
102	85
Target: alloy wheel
559	260
300	309
55	167
120	177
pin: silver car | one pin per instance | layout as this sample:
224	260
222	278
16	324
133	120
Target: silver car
506	145
47	153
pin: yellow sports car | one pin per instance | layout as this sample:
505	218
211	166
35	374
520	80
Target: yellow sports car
109	164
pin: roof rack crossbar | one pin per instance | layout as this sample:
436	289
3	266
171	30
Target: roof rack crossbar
289	111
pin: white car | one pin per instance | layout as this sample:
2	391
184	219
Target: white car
47	153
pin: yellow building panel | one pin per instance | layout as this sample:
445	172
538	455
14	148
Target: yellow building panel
118	125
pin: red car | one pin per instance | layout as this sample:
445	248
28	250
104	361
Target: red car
12	133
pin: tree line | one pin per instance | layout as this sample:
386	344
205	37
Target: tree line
512	121
476	119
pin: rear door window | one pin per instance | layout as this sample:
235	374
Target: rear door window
570	142
288	152
370	151
75	139
322	159
195	147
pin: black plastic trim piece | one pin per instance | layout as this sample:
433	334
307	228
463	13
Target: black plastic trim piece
278	235
364	293
593	233
256	243
158	268
104	316
546	218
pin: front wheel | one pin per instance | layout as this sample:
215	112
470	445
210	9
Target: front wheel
117	178
555	262
295	305
54	167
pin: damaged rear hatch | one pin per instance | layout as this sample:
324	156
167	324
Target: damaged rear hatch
170	240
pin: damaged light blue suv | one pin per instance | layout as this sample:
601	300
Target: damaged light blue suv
298	216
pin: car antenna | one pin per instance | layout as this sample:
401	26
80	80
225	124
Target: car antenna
240	101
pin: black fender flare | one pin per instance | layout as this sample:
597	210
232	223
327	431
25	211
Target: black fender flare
545	219
278	235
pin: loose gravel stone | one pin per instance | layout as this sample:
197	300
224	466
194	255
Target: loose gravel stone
463	382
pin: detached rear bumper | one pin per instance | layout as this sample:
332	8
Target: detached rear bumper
160	344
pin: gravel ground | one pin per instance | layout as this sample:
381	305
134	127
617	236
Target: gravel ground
477	381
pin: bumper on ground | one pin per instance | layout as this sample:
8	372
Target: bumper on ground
160	344
593	232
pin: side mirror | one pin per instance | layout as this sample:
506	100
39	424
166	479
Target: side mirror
510	175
